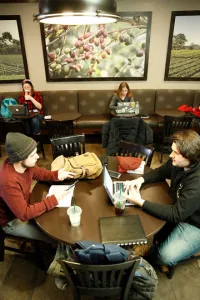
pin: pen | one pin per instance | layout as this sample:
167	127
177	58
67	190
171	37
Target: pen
73	184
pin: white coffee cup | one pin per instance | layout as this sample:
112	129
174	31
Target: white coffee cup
74	213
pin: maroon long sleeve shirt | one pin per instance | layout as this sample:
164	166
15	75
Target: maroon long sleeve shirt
15	193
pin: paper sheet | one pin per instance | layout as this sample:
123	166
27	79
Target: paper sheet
139	170
66	201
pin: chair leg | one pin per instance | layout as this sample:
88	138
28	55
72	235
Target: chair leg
39	256
1	249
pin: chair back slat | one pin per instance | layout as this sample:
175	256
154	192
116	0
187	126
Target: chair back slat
135	150
59	128
104	280
97	280
68	145
171	125
88	279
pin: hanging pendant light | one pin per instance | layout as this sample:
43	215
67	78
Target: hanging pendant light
76	12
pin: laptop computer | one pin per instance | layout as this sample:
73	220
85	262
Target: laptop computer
125	107
18	110
112	187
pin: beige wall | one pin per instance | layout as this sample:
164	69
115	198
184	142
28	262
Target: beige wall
161	14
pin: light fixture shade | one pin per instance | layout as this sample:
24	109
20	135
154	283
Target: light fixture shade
74	12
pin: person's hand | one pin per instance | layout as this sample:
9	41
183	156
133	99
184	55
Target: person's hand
60	195
62	174
134	183
134	196
28	97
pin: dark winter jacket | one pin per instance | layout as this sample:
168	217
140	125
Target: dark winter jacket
134	130
184	191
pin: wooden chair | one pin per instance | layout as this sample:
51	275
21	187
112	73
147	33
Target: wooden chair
171	125
100	280
131	149
68	146
36	255
10	126
59	128
17	126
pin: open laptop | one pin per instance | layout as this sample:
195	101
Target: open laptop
112	187
125	107
18	110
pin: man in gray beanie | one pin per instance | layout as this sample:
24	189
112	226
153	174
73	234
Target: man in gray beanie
16	176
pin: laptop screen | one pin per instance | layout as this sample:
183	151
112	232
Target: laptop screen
107	183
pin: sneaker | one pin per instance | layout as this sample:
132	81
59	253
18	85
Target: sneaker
61	283
142	250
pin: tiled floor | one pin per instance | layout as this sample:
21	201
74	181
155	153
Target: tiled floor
20	279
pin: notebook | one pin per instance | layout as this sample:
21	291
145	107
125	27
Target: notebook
112	187
19	110
125	230
125	107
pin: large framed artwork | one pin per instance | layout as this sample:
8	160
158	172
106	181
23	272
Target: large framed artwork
183	55
13	63
116	51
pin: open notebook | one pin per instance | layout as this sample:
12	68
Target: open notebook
125	230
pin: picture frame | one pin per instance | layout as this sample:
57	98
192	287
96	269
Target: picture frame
117	51
183	54
13	62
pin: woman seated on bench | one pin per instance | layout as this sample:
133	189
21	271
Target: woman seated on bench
123	94
34	101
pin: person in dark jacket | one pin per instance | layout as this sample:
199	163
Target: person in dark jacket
180	237
134	130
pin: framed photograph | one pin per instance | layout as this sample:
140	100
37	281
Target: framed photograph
117	51
13	63
183	55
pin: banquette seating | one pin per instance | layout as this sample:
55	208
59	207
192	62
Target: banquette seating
93	105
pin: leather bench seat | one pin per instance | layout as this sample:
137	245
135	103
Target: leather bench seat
91	121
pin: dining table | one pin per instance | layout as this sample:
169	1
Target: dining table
93	199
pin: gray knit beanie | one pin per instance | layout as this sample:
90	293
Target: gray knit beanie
19	146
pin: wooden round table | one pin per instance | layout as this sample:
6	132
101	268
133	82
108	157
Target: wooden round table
172	112
66	116
91	196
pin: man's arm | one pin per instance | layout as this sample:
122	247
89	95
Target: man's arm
13	197
44	175
159	174
187	203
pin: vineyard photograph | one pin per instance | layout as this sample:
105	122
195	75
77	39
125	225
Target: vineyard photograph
91	52
183	60
12	52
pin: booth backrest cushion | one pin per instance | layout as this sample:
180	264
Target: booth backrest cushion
94	102
196	98
146	99
173	98
56	102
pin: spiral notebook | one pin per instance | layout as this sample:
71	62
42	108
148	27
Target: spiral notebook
125	230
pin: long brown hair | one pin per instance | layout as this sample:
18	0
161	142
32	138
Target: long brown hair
188	144
121	86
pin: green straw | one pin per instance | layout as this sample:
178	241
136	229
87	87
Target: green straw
74	207
119	204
